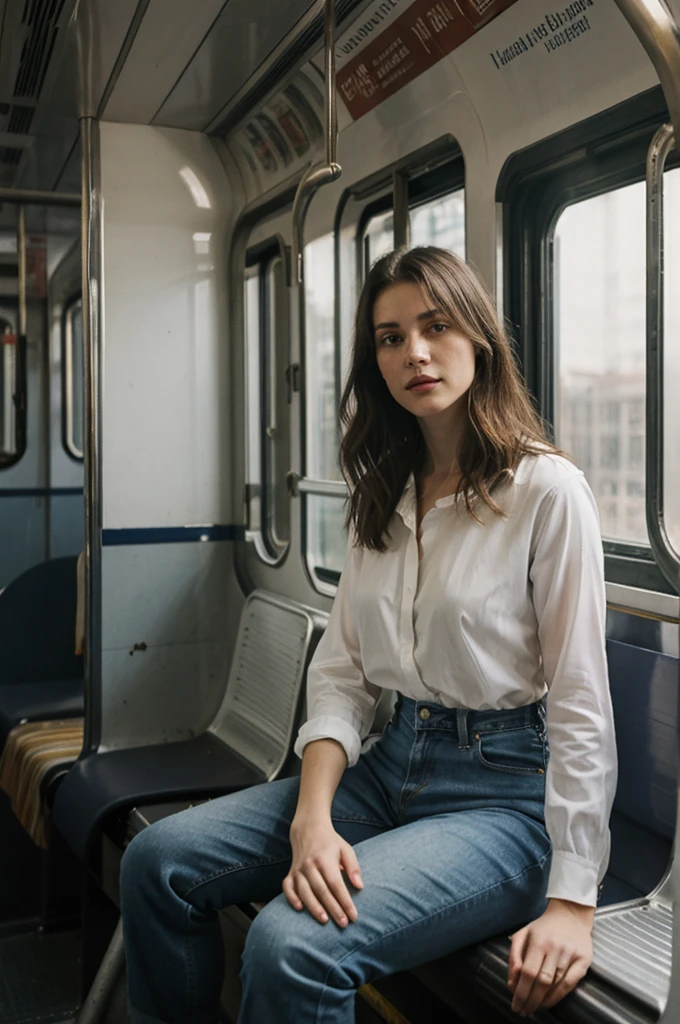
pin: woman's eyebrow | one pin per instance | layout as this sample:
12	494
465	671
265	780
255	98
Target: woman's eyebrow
421	316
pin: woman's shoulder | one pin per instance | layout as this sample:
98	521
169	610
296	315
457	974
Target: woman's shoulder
544	470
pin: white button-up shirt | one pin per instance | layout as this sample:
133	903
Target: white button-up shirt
492	616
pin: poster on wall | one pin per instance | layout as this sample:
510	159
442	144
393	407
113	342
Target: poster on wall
399	39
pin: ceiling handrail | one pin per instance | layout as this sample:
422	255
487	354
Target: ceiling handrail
655	27
329	169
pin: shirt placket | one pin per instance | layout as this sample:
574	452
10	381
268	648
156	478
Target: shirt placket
407	636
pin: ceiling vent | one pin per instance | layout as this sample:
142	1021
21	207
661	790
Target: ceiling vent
9	156
19	121
40	21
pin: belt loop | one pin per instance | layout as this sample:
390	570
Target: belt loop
462	723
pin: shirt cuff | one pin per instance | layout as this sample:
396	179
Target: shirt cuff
572	878
328	727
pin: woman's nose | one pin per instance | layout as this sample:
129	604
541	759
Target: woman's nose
417	352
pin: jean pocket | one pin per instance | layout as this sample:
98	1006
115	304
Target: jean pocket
517	751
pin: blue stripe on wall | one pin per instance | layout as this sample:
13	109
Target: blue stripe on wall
38	492
171	535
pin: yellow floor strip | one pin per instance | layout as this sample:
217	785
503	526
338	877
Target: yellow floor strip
382	1006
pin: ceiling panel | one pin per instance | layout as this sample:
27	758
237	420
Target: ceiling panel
102	27
242	38
168	38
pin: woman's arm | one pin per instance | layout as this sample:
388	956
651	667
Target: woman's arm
320	855
550	955
341	704
340	700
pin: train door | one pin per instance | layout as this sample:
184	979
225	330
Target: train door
41	388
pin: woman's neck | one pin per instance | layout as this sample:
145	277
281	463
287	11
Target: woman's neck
442	441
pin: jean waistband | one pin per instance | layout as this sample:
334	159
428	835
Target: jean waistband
465	722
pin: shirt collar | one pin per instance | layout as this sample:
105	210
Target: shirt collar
406	506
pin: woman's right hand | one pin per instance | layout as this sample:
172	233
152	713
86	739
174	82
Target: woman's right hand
315	879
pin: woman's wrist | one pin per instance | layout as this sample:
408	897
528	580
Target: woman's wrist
580	910
305	818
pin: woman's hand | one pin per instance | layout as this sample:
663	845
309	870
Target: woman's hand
550	956
315	879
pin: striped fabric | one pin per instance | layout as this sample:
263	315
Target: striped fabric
32	752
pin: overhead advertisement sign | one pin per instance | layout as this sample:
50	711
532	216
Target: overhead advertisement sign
398	40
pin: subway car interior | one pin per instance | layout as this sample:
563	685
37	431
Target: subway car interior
190	197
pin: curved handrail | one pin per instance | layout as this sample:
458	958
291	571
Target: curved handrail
666	557
328	170
655	27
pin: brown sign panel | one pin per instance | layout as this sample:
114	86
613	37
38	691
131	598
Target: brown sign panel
411	44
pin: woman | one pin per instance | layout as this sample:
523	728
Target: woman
473	585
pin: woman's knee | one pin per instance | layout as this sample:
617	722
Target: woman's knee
287	944
148	858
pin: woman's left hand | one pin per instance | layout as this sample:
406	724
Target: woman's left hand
550	956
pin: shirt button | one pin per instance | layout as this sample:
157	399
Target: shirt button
424	714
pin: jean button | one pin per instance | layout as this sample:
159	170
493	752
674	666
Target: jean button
424	714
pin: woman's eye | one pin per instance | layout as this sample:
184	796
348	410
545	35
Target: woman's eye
438	328
390	339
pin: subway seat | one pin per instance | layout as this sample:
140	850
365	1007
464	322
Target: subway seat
247	742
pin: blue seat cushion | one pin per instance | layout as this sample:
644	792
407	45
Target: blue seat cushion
39	702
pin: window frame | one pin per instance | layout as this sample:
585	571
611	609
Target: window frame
436	170
71	450
263	255
20	399
536	185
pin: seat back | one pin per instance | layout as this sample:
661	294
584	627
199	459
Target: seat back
257	716
37	625
644	688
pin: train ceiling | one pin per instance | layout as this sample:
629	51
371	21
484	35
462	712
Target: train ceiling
165	62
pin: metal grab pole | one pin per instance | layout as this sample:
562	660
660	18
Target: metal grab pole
666	557
99	997
21	349
329	170
21	258
92	280
653	24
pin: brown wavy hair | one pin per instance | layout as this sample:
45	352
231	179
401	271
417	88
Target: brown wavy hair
383	444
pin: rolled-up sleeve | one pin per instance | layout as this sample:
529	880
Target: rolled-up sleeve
567	574
340	700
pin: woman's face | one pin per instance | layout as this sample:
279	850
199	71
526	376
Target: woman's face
428	366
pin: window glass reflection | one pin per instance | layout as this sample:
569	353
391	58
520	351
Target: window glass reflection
441	222
600	352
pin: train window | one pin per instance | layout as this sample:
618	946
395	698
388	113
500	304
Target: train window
7	379
267	362
599	333
73	390
12	395
378	237
324	515
441	222
574	209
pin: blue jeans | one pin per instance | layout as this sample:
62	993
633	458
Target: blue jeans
446	815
